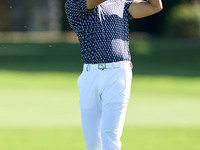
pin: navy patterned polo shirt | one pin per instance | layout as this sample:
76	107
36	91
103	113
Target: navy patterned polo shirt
103	32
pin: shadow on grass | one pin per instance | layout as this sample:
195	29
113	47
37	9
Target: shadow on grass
166	57
153	57
58	57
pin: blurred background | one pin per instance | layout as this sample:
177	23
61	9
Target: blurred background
40	61
178	18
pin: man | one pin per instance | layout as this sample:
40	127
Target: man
104	85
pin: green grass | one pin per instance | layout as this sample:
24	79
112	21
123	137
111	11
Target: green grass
38	98
41	138
161	138
39	102
62	138
41	111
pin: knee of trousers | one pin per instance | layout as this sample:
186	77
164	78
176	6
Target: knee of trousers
111	140
93	144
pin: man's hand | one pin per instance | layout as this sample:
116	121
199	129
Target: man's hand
140	9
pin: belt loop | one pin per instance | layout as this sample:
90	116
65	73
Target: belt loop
132	66
87	68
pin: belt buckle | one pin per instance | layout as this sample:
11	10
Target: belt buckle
102	66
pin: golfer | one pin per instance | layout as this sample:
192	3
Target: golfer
104	84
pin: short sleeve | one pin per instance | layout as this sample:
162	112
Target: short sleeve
75	8
127	5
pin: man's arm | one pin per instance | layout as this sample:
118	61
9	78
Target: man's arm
93	3
140	9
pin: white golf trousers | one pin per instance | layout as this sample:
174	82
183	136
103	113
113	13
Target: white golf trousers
104	96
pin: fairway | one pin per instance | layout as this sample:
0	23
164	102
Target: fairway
39	101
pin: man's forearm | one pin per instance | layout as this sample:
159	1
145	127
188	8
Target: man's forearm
140	8
156	4
93	3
